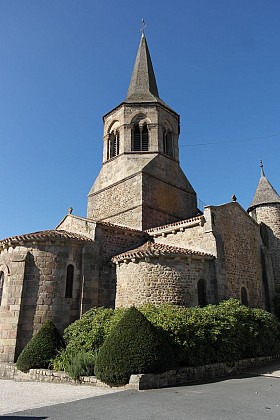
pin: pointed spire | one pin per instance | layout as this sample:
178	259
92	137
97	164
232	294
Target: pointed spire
265	193
143	85
262	171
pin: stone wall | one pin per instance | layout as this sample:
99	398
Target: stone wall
239	246
12	264
163	279
35	291
269	216
112	241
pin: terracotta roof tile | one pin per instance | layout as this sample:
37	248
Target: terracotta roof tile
155	249
43	236
176	224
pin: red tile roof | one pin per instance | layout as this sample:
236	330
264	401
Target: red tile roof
43	236
197	219
155	249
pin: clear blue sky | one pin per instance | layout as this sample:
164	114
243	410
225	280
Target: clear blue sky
65	63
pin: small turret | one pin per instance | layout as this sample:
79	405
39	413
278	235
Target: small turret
265	209
265	193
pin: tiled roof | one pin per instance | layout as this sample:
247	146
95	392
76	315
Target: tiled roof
197	219
120	227
265	194
150	249
43	236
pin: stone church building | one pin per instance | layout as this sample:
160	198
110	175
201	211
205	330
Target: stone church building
144	239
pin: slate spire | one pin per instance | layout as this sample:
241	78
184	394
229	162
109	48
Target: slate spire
265	193
143	85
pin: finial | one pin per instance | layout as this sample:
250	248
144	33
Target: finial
233	198
262	171
143	27
70	210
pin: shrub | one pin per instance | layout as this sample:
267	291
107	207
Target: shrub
216	333
87	334
134	346
41	348
81	364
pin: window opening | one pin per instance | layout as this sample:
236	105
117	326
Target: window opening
140	138
1	285
201	293
244	296
69	281
113	145
168	148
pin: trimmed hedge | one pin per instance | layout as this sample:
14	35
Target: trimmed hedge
216	333
41	348
134	346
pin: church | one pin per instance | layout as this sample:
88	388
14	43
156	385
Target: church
144	239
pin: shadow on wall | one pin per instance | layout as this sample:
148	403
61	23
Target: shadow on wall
28	304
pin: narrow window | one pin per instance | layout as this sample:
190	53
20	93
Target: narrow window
113	145
69	281
140	141
244	296
201	293
1	285
168	148
145	138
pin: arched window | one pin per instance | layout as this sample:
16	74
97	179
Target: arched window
140	138
113	145
201	293
1	285
69	281
244	296
168	148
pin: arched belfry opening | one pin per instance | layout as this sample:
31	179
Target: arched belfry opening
2	276
140	134
113	141
113	148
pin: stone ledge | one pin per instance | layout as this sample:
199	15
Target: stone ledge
181	376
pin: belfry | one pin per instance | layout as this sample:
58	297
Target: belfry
141	184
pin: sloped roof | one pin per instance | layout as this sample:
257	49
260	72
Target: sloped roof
43	236
150	249
265	194
143	85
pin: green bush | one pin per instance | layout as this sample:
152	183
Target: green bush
87	334
81	364
41	348
216	333
134	346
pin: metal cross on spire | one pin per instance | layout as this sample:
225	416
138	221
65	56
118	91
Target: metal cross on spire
143	27
262	171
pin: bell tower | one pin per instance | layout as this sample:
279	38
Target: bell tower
141	184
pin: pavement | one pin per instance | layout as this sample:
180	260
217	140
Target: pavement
252	395
18	396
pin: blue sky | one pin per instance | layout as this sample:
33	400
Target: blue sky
66	63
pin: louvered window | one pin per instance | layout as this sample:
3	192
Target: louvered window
113	145
1	285
140	141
